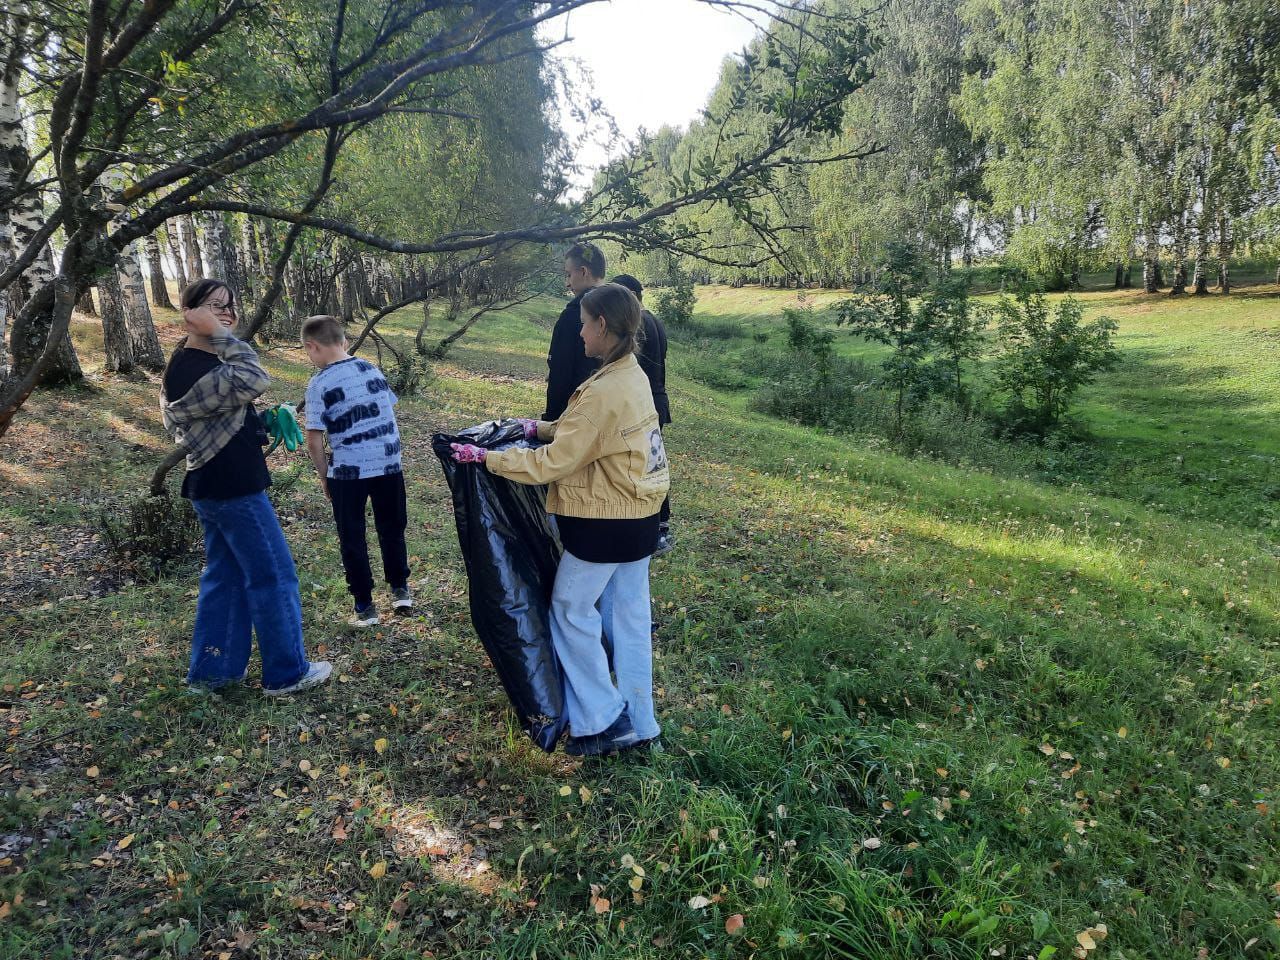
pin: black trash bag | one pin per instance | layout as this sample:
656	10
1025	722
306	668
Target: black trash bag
511	553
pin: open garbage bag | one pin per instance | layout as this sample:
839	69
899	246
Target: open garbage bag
511	554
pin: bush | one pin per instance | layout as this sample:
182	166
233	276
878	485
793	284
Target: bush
1045	357
674	304
155	536
929	342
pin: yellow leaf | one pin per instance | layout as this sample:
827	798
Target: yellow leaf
378	870
585	794
380	745
91	773
566	790
125	841
1122	732
277	792
1047	750
636	883
1085	940
1224	762
343	770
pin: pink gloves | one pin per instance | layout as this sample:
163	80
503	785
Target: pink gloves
530	428
468	453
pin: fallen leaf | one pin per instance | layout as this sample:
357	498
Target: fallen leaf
1122	732
378	870
871	843
1047	750
734	924
1085	940
91	773
305	765
125	841
698	902
585	794
601	904
566	790
380	745
636	883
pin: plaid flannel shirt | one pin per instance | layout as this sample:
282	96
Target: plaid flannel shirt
208	415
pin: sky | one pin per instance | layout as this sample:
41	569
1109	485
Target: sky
653	62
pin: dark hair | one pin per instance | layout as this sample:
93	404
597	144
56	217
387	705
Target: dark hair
621	312
587	255
193	295
324	330
198	291
631	283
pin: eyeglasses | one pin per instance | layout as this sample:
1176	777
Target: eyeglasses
220	307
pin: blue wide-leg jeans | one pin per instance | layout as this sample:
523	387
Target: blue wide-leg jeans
249	584
588	601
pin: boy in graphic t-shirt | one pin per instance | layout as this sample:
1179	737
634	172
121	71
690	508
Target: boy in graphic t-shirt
350	401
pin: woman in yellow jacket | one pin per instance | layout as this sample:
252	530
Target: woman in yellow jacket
606	472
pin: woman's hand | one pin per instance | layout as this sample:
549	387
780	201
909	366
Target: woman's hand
530	428
212	317
468	453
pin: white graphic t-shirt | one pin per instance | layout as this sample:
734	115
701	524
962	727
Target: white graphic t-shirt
351	401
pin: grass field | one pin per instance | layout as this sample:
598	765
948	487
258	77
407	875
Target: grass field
912	709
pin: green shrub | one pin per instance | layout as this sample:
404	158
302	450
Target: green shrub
674	304
707	366
1045	357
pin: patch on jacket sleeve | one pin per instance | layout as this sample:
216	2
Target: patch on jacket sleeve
657	461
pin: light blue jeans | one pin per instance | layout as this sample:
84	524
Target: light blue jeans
590	601
249	584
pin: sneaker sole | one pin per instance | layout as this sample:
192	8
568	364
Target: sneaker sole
306	683
402	610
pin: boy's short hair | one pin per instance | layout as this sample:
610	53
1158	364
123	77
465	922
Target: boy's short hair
323	329
587	255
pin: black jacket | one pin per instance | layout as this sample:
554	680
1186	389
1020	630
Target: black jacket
568	365
653	361
567	362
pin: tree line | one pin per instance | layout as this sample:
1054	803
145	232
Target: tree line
1134	136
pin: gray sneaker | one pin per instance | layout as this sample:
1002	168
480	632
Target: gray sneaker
316	674
366	616
401	600
665	545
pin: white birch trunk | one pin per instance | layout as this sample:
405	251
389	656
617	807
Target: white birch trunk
143	341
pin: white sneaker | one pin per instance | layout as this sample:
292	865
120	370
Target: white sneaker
316	674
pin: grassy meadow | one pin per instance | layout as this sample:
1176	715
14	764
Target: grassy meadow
914	707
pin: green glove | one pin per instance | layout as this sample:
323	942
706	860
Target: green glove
281	422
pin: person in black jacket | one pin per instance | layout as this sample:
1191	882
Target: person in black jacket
653	361
567	362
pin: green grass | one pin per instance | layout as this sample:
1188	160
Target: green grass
913	709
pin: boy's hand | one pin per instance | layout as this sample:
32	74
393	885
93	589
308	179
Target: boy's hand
530	428
468	453
324	488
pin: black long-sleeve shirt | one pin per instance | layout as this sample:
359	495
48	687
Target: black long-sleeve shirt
567	362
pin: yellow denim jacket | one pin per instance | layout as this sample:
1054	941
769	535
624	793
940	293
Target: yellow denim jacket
605	459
